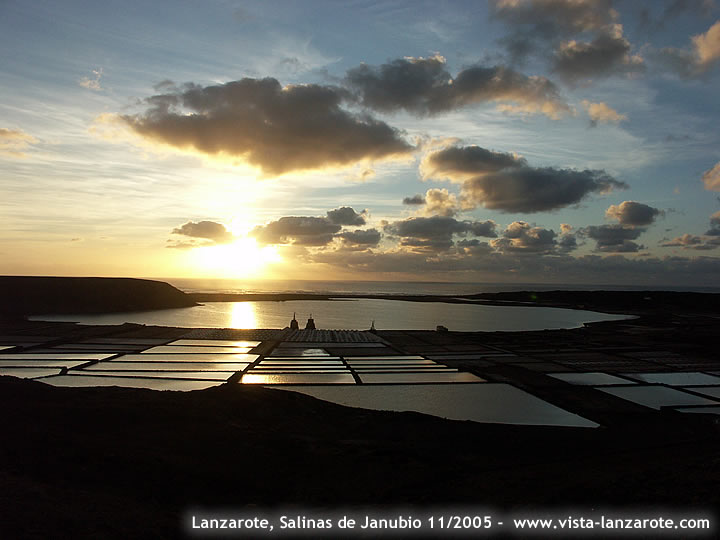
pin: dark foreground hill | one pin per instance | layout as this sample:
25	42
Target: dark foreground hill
128	463
25	295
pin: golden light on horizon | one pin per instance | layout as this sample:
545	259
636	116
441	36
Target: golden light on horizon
240	259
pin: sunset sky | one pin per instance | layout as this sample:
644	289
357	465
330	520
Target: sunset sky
535	141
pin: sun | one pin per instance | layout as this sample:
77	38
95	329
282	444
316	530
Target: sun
243	258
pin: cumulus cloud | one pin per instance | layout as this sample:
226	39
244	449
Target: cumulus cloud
521	237
94	82
278	129
614	238
632	213
14	142
415	200
711	178
440	202
346	216
601	113
505	182
607	54
691	241
423	86
297	230
697	59
360	238
435	233
209	232
714	225
707	46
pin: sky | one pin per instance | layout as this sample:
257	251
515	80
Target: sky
543	141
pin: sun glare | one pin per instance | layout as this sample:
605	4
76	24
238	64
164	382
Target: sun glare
243	315
241	259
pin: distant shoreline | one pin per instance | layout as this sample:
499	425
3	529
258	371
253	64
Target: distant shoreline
615	302
25	295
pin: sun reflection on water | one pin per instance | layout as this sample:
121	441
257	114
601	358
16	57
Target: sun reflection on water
243	315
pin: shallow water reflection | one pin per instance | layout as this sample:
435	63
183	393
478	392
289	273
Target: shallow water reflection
352	314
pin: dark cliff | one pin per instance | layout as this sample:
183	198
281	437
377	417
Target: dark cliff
24	295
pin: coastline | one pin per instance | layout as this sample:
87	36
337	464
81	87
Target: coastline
25	295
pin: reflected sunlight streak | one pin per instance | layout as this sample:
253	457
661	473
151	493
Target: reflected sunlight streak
243	315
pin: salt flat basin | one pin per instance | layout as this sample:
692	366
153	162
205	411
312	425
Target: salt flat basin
352	313
484	402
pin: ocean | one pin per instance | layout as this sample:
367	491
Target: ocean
397	287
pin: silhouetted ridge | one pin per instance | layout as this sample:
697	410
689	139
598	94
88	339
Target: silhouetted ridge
23	295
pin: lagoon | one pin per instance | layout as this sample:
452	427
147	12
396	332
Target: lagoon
355	314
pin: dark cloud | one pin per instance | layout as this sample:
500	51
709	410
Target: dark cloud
534	25
549	19
614	238
548	28
207	230
567	243
297	230
521	237
462	162
633	213
483	228
607	54
714	225
436	233
415	200
346	216
423	86
279	129
362	238
473	246
691	241
518	187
